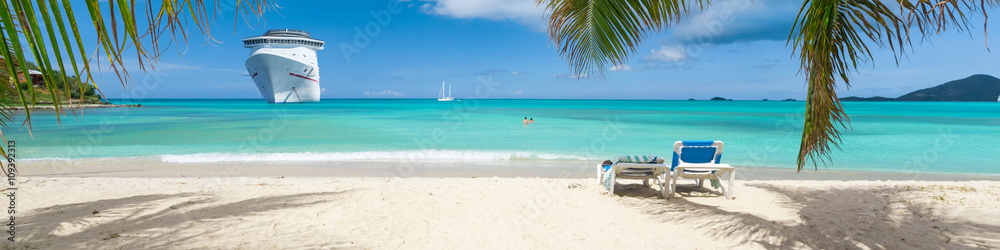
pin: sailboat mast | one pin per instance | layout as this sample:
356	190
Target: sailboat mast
441	94
449	90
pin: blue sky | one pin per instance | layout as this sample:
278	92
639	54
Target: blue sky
732	49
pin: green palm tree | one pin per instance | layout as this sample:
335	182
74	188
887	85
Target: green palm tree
47	32
830	36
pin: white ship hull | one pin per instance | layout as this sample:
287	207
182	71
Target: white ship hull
281	79
283	65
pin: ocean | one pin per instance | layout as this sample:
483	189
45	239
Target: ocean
924	137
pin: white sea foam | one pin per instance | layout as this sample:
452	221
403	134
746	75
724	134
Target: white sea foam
416	155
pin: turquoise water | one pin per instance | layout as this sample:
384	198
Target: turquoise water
886	136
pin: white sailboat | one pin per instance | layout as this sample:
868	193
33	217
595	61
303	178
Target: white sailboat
441	96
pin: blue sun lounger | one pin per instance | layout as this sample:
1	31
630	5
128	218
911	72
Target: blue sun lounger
699	160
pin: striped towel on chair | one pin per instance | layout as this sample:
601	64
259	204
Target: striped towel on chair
629	159
635	159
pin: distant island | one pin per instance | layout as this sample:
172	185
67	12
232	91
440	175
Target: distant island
975	88
867	99
720	99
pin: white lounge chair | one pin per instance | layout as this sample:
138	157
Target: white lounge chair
635	168
699	160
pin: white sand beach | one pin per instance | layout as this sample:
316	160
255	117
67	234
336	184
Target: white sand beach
453	212
153	137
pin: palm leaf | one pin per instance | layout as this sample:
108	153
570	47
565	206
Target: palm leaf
933	17
71	20
833	35
830	36
111	50
591	34
11	37
26	15
61	27
8	85
56	51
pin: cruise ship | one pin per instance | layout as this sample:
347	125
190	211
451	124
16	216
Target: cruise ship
283	65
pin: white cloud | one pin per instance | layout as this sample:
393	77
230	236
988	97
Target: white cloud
732	21
322	90
622	67
518	92
667	54
387	92
724	22
525	12
514	73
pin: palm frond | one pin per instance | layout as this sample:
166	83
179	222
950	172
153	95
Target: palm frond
71	20
8	98
933	17
591	34
32	34
61	27
11	36
831	36
8	82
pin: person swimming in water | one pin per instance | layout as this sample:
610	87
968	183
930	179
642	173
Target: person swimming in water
525	120
531	120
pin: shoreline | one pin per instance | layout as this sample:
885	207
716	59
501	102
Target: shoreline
99	167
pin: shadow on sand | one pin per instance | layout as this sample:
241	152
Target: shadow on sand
872	218
165	221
